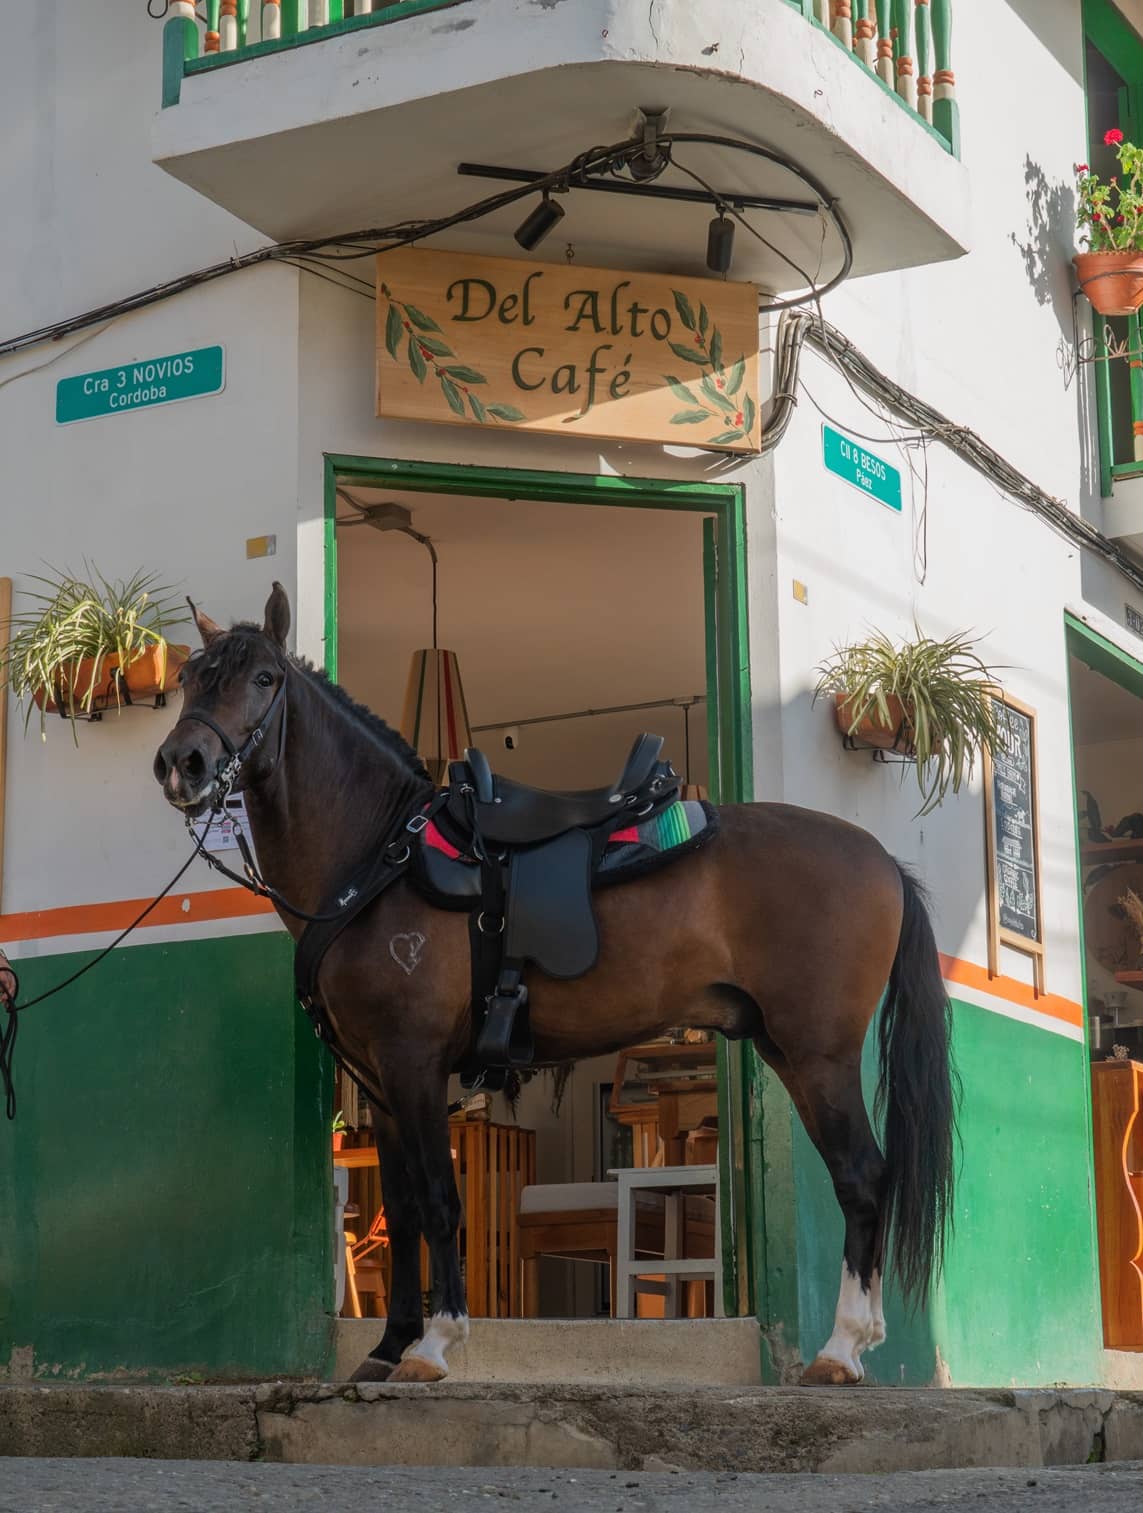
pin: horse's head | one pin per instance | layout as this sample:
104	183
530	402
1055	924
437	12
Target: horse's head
233	690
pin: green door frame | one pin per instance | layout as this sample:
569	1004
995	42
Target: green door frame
731	775
1103	657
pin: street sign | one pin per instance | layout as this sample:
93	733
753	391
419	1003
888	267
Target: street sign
861	469
141	385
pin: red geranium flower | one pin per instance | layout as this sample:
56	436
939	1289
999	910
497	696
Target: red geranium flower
1113	137
1082	168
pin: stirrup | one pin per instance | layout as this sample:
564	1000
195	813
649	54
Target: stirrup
505	1038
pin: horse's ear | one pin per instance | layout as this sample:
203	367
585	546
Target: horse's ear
277	625
207	629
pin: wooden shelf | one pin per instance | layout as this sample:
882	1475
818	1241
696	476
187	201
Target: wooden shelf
1093	853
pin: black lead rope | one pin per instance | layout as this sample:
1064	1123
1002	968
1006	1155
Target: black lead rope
8	1033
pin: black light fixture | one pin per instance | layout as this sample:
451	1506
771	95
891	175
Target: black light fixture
541	220
720	243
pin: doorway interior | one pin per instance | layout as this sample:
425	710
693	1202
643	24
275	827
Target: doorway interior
581	611
1106	701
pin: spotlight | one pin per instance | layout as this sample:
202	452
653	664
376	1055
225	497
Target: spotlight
720	244
539	222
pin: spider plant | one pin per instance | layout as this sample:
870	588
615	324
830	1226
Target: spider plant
60	646
943	690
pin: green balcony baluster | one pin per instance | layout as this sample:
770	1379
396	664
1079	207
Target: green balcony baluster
903	51
180	42
946	113
243	21
884	44
924	61
210	42
228	26
864	33
292	22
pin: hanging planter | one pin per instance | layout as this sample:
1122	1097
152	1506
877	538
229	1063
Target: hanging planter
155	670
873	730
1110	216
1112	281
929	701
84	648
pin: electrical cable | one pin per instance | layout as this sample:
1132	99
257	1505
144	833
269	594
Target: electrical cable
369	242
799	328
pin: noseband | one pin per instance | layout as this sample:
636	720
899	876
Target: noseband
240	755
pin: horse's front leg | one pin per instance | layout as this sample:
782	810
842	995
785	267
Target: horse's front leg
405	1321
420	1106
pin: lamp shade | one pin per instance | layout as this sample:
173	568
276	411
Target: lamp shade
435	721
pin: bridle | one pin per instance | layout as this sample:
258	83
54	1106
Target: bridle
240	755
396	852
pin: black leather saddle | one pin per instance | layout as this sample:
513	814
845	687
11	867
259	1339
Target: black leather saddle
510	814
537	852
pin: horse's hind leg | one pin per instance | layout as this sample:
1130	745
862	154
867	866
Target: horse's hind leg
405	1321
828	1097
420	1105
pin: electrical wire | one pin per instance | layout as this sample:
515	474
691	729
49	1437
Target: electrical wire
369	242
798	329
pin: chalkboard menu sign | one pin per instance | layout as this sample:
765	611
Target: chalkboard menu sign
1013	841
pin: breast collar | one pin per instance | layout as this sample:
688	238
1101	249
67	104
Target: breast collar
240	755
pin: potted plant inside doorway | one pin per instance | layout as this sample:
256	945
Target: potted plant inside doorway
87	644
339	1129
930	701
1110	218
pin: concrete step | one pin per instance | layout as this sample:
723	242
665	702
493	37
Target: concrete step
586	1352
739	1429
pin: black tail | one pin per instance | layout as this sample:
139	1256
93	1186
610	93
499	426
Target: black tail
918	1095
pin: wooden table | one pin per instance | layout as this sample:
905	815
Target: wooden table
492	1163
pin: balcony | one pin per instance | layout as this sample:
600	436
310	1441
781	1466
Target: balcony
311	121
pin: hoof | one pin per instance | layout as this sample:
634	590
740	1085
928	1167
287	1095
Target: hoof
414	1368
373	1370
826	1373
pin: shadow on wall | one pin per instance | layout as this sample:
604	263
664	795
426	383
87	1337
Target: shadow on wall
1047	248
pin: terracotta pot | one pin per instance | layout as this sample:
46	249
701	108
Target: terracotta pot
76	678
339	1140
871	731
1112	281
155	670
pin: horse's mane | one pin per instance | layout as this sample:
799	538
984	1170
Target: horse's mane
228	655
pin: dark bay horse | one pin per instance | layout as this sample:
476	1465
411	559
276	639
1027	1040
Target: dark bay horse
788	930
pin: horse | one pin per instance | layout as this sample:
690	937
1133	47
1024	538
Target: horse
789	930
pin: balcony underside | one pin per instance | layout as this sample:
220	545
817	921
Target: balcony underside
368	130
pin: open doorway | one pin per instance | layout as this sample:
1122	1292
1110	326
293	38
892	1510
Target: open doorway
574	628
1106	696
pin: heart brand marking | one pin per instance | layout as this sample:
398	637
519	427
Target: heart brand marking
406	951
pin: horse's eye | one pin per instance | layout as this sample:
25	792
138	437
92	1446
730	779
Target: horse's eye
264	679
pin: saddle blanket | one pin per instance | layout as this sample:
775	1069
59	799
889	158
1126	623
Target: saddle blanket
684	825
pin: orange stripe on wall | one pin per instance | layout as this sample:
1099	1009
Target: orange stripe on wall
91	919
1009	988
236	903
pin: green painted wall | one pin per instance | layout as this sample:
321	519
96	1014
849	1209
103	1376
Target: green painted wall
1019	1303
165	1191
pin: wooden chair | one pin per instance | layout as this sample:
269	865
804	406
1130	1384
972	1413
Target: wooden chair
365	1266
579	1221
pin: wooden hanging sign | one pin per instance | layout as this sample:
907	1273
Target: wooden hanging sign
568	350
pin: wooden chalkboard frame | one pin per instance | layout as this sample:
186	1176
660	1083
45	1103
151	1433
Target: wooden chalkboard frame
997	935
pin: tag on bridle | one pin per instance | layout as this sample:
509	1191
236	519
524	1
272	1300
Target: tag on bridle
217	831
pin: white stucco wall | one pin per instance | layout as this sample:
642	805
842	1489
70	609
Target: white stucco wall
180	489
